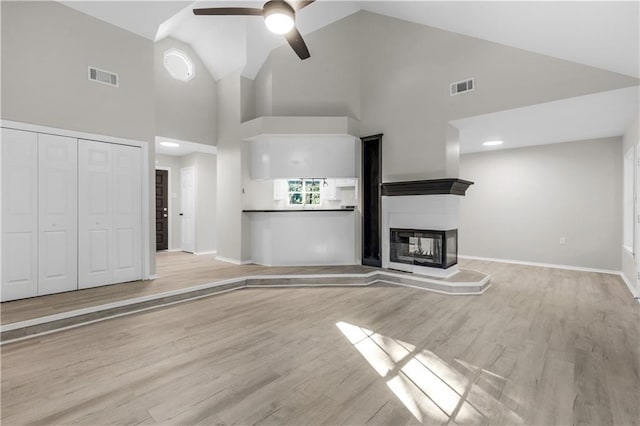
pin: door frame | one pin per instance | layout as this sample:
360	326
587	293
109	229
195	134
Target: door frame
168	170
148	246
367	139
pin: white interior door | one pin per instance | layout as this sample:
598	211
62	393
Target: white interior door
58	208
19	161
187	209
127	213
95	214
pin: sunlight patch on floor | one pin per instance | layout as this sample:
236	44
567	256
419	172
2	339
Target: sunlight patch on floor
427	386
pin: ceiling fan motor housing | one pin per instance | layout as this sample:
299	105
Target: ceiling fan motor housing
278	6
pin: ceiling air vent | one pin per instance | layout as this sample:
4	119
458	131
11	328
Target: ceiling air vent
462	86
105	77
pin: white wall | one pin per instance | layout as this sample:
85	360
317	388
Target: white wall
629	263
357	69
229	172
185	110
205	173
206	201
524	200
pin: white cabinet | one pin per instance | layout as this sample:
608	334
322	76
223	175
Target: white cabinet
58	209
19	214
305	156
109	212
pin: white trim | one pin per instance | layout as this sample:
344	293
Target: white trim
146	195
69	133
543	265
439	291
154	277
234	261
632	290
629	250
200	253
169	203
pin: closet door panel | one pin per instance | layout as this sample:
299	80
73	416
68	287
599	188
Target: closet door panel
58	207
19	151
95	213
127	219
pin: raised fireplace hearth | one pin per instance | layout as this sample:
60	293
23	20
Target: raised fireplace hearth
424	247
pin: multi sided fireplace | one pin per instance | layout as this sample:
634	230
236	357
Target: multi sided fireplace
424	247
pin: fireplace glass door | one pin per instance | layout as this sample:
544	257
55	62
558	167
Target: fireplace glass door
430	248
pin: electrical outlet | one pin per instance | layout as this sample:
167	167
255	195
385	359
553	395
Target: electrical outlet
563	241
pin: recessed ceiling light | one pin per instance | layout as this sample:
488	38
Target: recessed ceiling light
170	144
492	143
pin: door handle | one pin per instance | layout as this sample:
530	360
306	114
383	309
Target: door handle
181	214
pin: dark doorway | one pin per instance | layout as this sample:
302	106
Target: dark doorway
371	202
162	210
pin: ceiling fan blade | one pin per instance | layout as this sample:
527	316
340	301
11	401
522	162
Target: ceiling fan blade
297	43
299	4
252	11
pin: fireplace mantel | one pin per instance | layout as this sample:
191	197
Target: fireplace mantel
452	186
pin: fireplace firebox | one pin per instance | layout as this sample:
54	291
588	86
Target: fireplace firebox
424	247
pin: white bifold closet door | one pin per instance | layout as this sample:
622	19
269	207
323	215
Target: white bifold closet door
19	214
109	213
58	214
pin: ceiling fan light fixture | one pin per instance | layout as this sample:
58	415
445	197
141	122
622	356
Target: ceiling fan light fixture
279	17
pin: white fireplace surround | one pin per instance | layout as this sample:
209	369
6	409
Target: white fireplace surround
437	212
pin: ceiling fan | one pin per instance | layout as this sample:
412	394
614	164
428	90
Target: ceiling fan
279	17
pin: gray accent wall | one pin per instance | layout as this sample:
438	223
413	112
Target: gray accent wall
46	50
524	200
394	77
185	110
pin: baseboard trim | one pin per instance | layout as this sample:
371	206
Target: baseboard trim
234	261
228	260
200	253
633	291
542	265
154	277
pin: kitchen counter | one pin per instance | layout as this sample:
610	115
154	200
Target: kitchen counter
350	209
299	238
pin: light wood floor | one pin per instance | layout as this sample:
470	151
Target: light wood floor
541	347
176	270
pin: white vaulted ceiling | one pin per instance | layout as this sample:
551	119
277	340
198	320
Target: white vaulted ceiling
600	34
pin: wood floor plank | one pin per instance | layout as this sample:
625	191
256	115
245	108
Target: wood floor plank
542	346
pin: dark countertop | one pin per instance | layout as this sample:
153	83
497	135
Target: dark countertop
298	210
